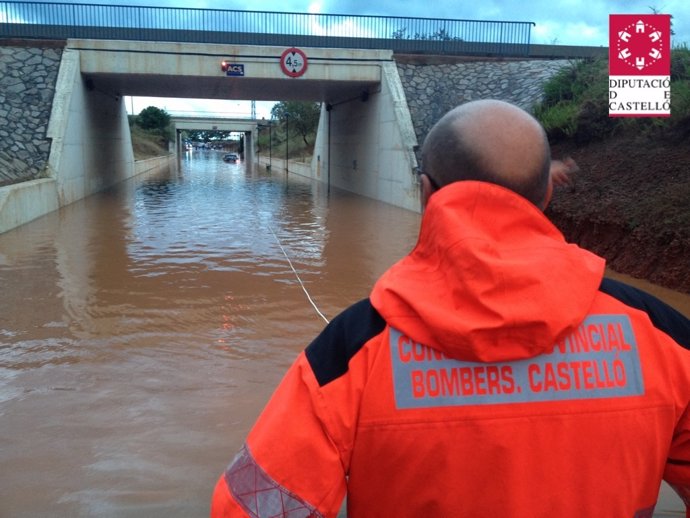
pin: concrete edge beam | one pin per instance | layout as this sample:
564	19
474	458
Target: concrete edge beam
23	202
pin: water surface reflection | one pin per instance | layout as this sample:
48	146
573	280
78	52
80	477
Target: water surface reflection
143	329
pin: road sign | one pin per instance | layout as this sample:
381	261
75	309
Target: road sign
293	62
232	69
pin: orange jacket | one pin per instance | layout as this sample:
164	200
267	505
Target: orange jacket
491	373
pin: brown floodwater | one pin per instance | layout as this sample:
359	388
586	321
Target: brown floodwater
143	329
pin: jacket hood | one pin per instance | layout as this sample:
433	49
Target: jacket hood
490	279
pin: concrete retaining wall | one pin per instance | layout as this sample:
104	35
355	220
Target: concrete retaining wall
277	166
91	143
374	143
153	165
26	201
371	144
434	88
83	147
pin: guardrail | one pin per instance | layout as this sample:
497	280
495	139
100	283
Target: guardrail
42	20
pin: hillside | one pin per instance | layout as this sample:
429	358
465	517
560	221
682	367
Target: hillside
146	144
631	204
631	200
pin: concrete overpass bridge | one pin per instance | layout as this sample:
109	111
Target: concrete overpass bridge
247	126
370	132
366	141
359	89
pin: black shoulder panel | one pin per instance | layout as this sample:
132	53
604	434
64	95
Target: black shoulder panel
663	316
330	353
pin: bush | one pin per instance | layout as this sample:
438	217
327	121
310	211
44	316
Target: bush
559	120
147	144
153	118
156	122
680	63
575	103
680	107
593	121
560	87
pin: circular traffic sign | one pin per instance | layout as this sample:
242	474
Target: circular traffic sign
293	62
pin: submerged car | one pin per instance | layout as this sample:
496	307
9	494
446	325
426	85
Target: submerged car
231	157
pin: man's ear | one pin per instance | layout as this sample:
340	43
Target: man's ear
547	197
427	190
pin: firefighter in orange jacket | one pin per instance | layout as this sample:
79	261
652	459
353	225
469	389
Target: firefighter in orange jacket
492	372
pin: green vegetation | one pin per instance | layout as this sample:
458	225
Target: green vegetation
633	187
575	104
440	35
292	128
153	118
145	143
150	132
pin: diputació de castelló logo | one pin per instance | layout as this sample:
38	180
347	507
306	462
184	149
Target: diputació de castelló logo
639	65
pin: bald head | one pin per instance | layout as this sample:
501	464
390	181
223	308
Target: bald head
491	141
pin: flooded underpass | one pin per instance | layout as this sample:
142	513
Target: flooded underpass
143	329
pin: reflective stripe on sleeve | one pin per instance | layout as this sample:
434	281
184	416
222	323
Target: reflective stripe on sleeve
683	493
261	496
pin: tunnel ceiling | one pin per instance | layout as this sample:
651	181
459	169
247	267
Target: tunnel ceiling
227	87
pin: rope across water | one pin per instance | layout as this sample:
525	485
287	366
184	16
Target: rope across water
298	277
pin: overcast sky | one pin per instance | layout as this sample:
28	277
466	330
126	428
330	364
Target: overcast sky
564	22
560	22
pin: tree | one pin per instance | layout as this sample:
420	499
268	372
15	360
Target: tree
153	118
658	11
209	135
303	116
440	35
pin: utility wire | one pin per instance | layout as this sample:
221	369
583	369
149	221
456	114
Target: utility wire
297	275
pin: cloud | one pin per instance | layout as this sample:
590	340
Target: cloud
314	8
580	33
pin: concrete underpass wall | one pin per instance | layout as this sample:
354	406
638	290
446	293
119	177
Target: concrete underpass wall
374	144
371	144
25	201
28	71
91	148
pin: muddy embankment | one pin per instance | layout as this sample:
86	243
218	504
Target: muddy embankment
630	203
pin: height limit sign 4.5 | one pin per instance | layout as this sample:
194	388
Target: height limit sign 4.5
293	62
